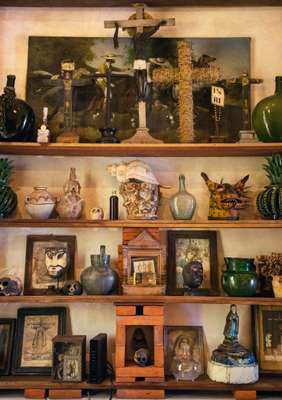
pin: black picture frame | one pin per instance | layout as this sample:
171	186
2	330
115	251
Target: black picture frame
7	333
172	238
39	335
31	241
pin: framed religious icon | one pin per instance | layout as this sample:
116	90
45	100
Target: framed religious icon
192	263
69	358
7	331
268	330
184	352
49	263
36	328
144	266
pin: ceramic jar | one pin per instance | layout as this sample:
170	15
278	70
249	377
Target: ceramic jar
182	204
40	203
267	116
71	204
99	278
277	286
240	278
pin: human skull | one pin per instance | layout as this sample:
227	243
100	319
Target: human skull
10	286
72	288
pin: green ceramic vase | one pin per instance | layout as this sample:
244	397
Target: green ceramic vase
240	278
267	116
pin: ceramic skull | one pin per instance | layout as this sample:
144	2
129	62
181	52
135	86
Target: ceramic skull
10	286
72	288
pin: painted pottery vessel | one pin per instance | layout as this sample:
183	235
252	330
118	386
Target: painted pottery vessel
71	204
267	115
182	204
99	278
240	277
40	203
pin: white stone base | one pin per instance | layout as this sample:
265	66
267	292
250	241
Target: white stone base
230	374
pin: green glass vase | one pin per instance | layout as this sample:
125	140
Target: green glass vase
239	278
182	204
267	116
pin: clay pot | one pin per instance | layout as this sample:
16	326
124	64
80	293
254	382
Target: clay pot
40	203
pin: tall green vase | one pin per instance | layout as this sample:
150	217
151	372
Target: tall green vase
267	116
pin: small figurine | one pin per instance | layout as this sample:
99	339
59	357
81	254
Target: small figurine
43	133
71	205
10	286
231	362
96	213
226	200
72	288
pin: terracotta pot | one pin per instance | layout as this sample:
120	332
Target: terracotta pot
277	286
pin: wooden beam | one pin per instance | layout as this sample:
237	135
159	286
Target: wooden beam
245	394
34	393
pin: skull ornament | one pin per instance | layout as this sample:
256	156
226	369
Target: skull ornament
142	357
72	288
10	286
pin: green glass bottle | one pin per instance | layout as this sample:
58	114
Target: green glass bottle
267	116
182	204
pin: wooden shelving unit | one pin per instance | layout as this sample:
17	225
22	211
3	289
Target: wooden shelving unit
162	224
142	150
270	301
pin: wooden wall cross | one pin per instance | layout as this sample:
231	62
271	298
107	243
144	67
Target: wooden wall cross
185	75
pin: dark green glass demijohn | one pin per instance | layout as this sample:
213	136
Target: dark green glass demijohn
182	204
267	116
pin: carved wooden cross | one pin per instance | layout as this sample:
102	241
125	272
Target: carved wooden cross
140	27
185	75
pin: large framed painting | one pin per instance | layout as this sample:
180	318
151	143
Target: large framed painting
229	56
36	328
7	330
45	254
268	321
186	248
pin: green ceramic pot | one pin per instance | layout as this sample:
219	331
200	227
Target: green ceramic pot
240	278
267	116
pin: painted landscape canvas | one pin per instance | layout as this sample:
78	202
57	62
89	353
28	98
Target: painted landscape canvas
230	55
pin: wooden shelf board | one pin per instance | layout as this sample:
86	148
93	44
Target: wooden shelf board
141	150
127	3
141	299
162	224
266	383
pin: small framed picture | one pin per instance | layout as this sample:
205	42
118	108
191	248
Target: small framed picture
36	328
47	257
184	342
196	250
7	331
69	358
268	330
144	270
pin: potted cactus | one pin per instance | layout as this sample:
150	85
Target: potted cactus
8	198
269	201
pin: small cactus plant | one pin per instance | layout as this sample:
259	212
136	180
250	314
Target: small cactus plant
8	198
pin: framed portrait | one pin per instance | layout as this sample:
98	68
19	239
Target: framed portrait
183	341
69	358
186	247
7	331
36	328
268	330
46	256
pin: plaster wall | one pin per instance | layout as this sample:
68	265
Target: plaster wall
264	26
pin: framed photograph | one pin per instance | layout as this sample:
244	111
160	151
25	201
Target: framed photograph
183	339
47	255
36	328
269	338
192	246
69	358
7	331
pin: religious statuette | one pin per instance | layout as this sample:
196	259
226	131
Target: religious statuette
40	203
96	213
269	202
99	278
43	133
113	206
10	286
57	263
139	188
231	362
17	120
140	348
226	200
71	204
8	198
72	288
140	26
183	366
182	204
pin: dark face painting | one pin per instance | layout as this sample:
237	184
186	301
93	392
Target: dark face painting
230	55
